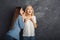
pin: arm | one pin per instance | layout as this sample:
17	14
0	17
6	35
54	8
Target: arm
34	21
21	23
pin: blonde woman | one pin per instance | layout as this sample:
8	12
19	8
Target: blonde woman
30	24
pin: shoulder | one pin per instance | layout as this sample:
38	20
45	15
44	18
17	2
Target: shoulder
19	16
34	16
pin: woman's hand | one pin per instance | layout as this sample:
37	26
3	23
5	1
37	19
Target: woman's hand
25	19
31	20
35	25
23	16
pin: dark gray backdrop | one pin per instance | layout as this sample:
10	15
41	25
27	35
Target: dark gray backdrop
46	11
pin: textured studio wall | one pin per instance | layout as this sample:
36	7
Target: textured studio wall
46	11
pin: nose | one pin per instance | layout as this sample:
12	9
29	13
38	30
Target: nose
29	11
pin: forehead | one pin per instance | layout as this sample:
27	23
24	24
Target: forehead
29	7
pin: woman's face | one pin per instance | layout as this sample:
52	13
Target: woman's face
21	11
29	10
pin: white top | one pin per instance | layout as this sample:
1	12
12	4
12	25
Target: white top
29	28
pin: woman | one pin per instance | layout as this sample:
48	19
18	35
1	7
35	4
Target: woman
30	24
16	26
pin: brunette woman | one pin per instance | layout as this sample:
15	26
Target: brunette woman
16	25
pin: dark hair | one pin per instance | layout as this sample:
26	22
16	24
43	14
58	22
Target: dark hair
16	13
18	9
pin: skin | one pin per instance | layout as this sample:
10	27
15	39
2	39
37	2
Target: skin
22	13
29	10
29	17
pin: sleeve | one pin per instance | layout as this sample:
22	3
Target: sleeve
34	18
21	23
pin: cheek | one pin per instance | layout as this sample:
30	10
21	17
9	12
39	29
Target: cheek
21	11
27	11
31	10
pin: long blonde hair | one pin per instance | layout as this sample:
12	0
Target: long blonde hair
27	8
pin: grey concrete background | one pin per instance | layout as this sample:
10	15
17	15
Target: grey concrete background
46	11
